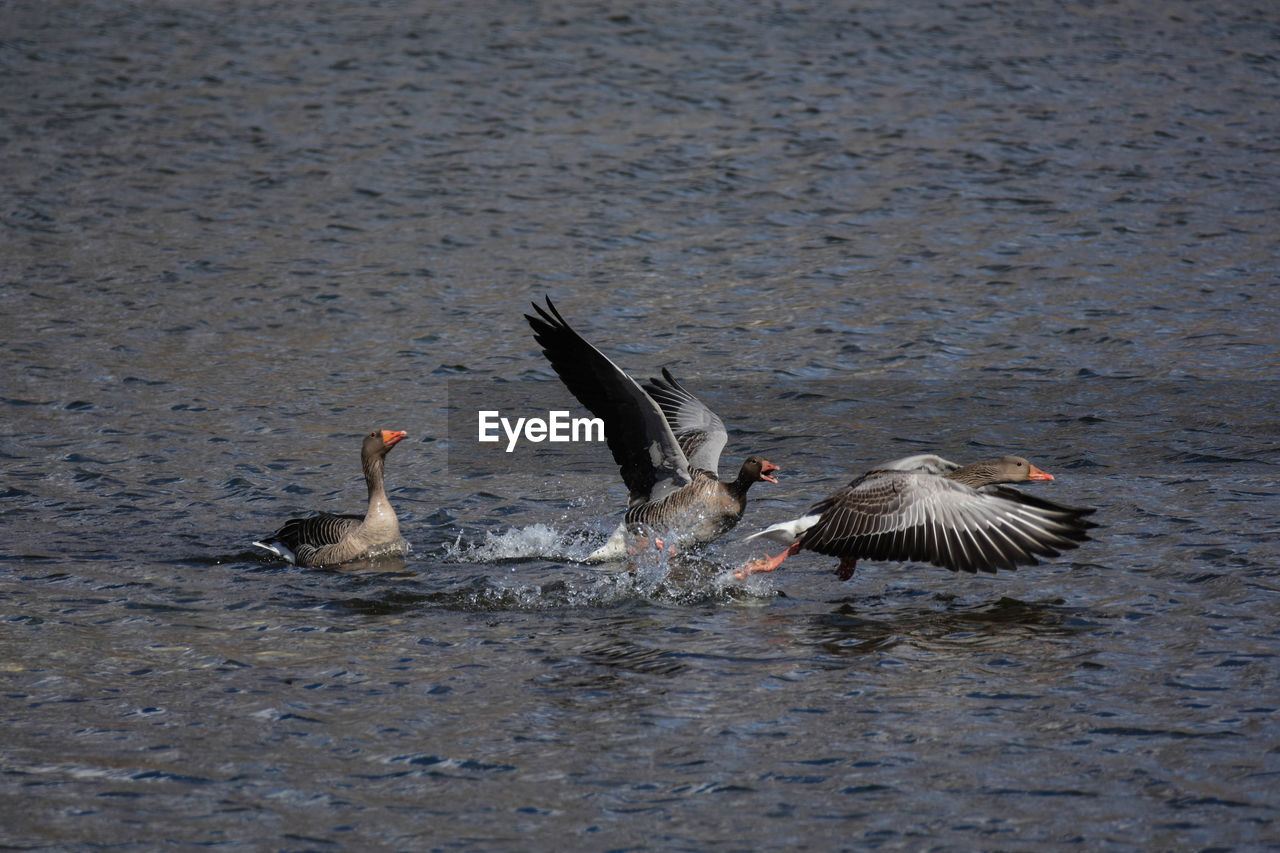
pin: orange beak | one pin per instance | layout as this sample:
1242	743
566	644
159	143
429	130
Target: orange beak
766	469
391	437
1038	473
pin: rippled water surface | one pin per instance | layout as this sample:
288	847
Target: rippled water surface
238	236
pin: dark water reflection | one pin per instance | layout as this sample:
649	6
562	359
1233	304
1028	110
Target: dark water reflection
238	236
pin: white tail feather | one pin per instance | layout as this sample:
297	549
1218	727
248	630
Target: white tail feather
614	549
786	532
279	550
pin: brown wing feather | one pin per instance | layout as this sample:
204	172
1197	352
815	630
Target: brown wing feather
900	515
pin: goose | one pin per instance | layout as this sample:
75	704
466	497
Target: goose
927	508
327	539
665	441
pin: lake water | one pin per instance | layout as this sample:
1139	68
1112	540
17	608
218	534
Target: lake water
239	236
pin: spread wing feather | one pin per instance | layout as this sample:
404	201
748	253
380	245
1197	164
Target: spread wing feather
913	515
701	433
638	434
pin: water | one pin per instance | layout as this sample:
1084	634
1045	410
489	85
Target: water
239	236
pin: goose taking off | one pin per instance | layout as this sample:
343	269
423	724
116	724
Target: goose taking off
927	509
327	539
666	442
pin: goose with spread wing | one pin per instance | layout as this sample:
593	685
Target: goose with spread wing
328	539
927	509
665	441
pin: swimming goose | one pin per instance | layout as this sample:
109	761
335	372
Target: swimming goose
665	440
926	508
327	539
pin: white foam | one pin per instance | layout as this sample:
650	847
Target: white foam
645	573
537	541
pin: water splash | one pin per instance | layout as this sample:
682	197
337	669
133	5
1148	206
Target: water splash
652	575
535	542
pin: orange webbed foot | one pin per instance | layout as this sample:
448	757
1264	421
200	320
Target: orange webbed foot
766	564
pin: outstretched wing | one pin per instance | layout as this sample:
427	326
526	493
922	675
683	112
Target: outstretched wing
638	435
699	430
910	515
